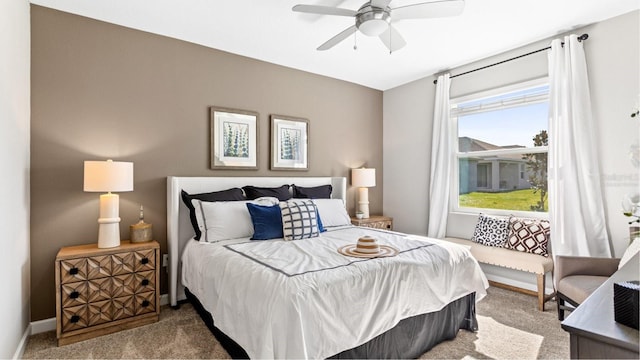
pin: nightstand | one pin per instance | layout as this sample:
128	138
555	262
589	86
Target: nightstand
102	291
374	221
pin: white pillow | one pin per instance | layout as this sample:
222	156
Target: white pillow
223	220
633	249
332	212
299	219
266	201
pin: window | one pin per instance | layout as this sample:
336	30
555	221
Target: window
501	153
483	175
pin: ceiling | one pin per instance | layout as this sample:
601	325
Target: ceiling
269	30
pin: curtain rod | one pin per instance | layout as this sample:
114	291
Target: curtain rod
580	38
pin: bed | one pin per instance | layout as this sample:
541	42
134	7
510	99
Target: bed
261	303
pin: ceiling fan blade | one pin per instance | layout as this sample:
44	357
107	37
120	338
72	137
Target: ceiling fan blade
392	39
324	10
433	9
338	38
380	3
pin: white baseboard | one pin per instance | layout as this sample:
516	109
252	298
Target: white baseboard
164	299
512	282
40	326
22	345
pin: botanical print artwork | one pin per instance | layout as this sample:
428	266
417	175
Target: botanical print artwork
236	139
290	144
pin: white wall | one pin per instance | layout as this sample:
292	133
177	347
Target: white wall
612	52
14	161
406	139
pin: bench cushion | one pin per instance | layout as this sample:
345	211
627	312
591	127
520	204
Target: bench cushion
507	258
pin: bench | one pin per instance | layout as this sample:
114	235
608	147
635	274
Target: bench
512	259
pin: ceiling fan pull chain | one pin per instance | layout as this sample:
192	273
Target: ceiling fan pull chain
355	41
390	44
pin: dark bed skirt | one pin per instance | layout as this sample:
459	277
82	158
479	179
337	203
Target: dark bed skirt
409	339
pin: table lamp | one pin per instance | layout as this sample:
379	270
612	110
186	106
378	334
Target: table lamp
108	176
363	179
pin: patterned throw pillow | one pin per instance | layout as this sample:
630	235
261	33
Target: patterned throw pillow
299	219
491	230
528	235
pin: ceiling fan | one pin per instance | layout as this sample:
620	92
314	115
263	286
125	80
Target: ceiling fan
374	18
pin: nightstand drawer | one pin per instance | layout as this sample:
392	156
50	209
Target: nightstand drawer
73	270
144	260
74	318
145	281
74	294
145	302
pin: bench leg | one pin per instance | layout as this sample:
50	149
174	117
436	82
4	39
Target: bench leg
541	289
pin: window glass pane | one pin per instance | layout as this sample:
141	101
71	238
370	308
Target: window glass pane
512	182
507	98
494	170
513	127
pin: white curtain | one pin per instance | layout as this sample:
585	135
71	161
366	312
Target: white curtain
576	209
440	161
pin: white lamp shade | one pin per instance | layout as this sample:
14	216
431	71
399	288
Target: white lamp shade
101	176
363	177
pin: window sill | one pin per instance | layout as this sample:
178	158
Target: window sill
497	212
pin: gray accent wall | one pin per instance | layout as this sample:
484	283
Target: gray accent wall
14	161
613	62
104	91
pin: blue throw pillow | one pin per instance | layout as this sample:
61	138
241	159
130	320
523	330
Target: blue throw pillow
267	221
320	226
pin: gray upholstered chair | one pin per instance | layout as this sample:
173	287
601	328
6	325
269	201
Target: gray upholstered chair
577	277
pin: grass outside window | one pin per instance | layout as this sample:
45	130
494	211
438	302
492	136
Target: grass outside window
517	200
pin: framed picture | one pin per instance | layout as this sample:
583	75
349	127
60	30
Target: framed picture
234	139
289	143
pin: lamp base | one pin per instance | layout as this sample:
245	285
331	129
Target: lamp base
109	221
363	202
109	235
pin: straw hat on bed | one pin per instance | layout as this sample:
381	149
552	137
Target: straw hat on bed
367	247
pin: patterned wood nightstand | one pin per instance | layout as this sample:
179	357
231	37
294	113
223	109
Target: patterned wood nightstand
101	291
375	221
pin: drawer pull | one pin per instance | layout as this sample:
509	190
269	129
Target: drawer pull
145	303
144	261
73	271
74	295
75	319
145	282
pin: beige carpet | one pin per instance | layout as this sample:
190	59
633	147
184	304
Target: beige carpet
510	328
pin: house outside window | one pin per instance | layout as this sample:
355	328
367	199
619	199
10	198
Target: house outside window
500	164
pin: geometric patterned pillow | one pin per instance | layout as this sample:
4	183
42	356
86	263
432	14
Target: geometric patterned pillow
491	230
299	219
528	235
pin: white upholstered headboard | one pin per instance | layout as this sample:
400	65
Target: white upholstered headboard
179	229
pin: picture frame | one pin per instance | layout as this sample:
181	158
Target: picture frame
289	143
234	138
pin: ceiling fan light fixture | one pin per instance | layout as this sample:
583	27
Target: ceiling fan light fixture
372	21
373	18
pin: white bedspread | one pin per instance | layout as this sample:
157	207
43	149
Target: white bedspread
303	299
